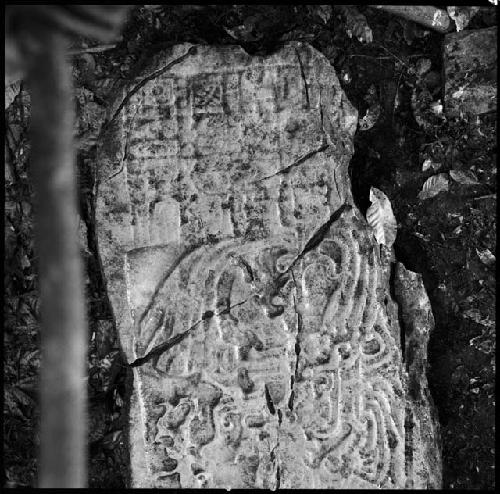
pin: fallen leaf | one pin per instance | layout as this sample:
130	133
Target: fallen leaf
433	186
423	66
464	178
31	359
118	400
381	218
428	164
110	440
486	257
475	316
16	397
11	406
371	117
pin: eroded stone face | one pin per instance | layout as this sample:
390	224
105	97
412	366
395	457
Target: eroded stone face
247	288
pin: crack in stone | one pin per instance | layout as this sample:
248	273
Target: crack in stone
335	180
402	323
321	116
269	400
295	377
175	340
298	162
278	480
409	447
159	286
148	78
303	74
330	445
127	144
248	268
292	392
313	242
272	455
274	410
318	236
328	134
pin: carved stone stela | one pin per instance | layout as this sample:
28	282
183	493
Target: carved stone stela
247	288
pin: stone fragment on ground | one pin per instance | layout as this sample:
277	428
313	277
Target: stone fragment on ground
470	70
249	293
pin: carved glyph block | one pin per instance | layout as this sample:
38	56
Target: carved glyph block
247	289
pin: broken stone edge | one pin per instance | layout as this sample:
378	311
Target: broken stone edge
421	422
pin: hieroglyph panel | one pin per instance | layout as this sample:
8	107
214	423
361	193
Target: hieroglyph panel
247	288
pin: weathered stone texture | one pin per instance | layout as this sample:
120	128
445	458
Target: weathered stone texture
424	466
247	288
470	70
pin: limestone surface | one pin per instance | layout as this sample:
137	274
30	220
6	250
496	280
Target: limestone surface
249	292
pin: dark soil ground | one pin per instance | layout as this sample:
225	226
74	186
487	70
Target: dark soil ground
449	238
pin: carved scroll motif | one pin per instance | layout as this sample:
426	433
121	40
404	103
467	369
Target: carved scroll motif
341	386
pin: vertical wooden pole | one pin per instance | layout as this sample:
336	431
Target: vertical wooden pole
63	431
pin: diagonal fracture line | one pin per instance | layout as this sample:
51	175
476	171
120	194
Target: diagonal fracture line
175	340
301	160
295	376
303	74
127	144
150	77
318	236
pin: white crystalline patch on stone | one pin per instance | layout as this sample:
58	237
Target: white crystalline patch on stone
246	293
